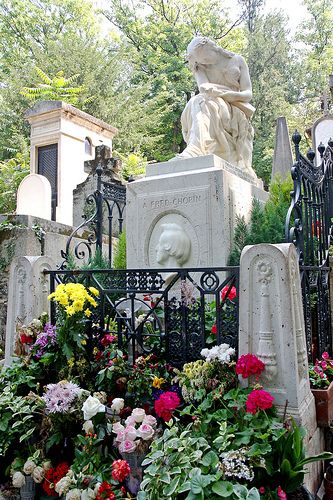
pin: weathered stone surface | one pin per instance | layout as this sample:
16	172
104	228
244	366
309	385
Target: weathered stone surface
272	327
27	295
201	196
321	132
283	158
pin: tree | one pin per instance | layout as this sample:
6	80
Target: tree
250	12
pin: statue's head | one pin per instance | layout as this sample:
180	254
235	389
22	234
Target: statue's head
173	242
203	50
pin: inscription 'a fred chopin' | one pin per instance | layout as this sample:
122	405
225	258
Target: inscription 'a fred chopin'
175	201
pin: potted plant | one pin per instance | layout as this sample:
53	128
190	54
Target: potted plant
321	380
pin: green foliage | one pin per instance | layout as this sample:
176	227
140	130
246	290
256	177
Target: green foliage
12	172
119	260
53	89
133	164
266	224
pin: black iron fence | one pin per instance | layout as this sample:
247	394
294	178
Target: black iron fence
309	227
176	312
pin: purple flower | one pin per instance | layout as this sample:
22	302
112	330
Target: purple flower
59	397
44	339
156	393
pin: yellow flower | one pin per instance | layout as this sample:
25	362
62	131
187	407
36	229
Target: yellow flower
157	382
70	362
94	291
83	342
70	310
87	312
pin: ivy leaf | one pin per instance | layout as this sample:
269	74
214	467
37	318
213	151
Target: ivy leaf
171	488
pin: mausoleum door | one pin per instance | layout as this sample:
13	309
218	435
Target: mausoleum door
48	166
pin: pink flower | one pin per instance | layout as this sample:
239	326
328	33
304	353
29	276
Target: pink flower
130	420
117	427
146	432
262	490
325	355
127	446
165	404
231	295
249	364
281	494
108	339
121	436
258	400
323	365
130	433
150	420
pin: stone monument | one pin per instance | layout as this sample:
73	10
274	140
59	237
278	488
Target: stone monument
322	132
283	158
183	213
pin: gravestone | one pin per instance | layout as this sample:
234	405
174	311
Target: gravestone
283	158
34	197
271	326
187	208
322	132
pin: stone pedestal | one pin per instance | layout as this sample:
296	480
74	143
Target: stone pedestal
192	203
271	326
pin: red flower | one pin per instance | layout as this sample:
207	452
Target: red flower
258	400
281	494
108	339
120	470
249	364
214	329
165	404
262	490
105	492
26	339
231	295
52	476
325	355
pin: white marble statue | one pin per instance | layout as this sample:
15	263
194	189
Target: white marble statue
173	247
217	120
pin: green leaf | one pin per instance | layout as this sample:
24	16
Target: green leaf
253	494
258	449
171	488
223	489
184	487
165	478
198	483
210	459
240	491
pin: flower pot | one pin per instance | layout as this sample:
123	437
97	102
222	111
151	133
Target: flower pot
324	405
27	491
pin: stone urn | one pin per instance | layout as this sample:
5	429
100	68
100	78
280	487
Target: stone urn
324	405
27	491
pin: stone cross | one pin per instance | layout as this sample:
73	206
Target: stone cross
111	166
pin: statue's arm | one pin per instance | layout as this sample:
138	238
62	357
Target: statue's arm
245	87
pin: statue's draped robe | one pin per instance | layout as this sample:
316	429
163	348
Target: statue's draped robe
213	126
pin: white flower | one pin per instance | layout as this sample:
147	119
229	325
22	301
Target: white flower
91	407
47	465
117	405
97	485
117	427
130	432
146	431
74	494
221	353
88	427
29	466
38	474
18	479
88	494
62	486
150	420
138	414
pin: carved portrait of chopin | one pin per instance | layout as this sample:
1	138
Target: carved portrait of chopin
173	248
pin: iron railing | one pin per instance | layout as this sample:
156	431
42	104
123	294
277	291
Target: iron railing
309	226
171	311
